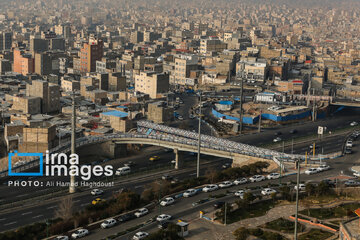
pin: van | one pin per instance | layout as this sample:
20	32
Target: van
122	171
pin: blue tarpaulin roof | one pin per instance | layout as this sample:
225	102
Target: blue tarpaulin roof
116	113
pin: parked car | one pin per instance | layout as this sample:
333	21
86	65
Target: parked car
226	165
257	178
352	183
311	171
349	143
225	184
166	177
322	168
218	204
277	133
108	223
191	116
190	192
80	233
140	235
240	181
167	201
122	171
210	188
268	191
293	131
126	217
273	176
163	217
96	192
163	225
278	139
241	193
141	212
353	124
302	187
329	182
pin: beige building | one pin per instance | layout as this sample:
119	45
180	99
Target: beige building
184	64
69	84
28	105
152	83
49	94
160	113
252	70
211	45
38	139
117	82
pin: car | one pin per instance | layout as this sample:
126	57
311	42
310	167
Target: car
97	201
293	131
353	124
129	164
163	217
167	201
166	177
140	235
329	182
352	183
180	117
96	192
240	193
257	178
322	168
163	224
356	174
273	176
154	158
349	143
225	184
61	238
311	171
218	204
210	188
278	139
167	150
122	171
80	233
190	192
174	180
191	116
277	133
126	217
302	187
268	191
348	150
141	212
226	165
108	223
240	181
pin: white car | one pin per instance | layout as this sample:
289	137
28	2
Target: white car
80	233
210	188
225	184
163	217
141	212
356	174
240	181
353	124
273	176
62	238
278	139
257	178
268	191
190	192
167	201
108	223
302	187
311	171
241	193
96	192
322	168
140	235
122	171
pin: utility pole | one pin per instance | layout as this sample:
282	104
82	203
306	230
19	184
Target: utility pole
259	129
292	146
199	141
225	214
73	143
297	199
241	105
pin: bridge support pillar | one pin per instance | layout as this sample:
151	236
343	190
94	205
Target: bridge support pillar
117	150
179	158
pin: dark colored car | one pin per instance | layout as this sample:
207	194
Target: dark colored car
329	182
126	217
163	224
293	131
278	133
226	165
218	205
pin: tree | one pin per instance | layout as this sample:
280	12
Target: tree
323	189
285	192
249	197
211	175
241	233
309	189
273	196
65	208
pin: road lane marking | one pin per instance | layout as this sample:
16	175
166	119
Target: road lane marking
140	186
9	223
2	219
51	207
23	195
26	213
38	216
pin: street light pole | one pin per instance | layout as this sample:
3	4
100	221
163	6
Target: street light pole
199	141
241	107
297	199
73	149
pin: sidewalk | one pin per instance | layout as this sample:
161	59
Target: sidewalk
206	230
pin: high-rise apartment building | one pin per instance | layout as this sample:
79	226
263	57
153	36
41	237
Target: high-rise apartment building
152	83
183	65
211	45
23	62
43	63
91	52
5	40
49	94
